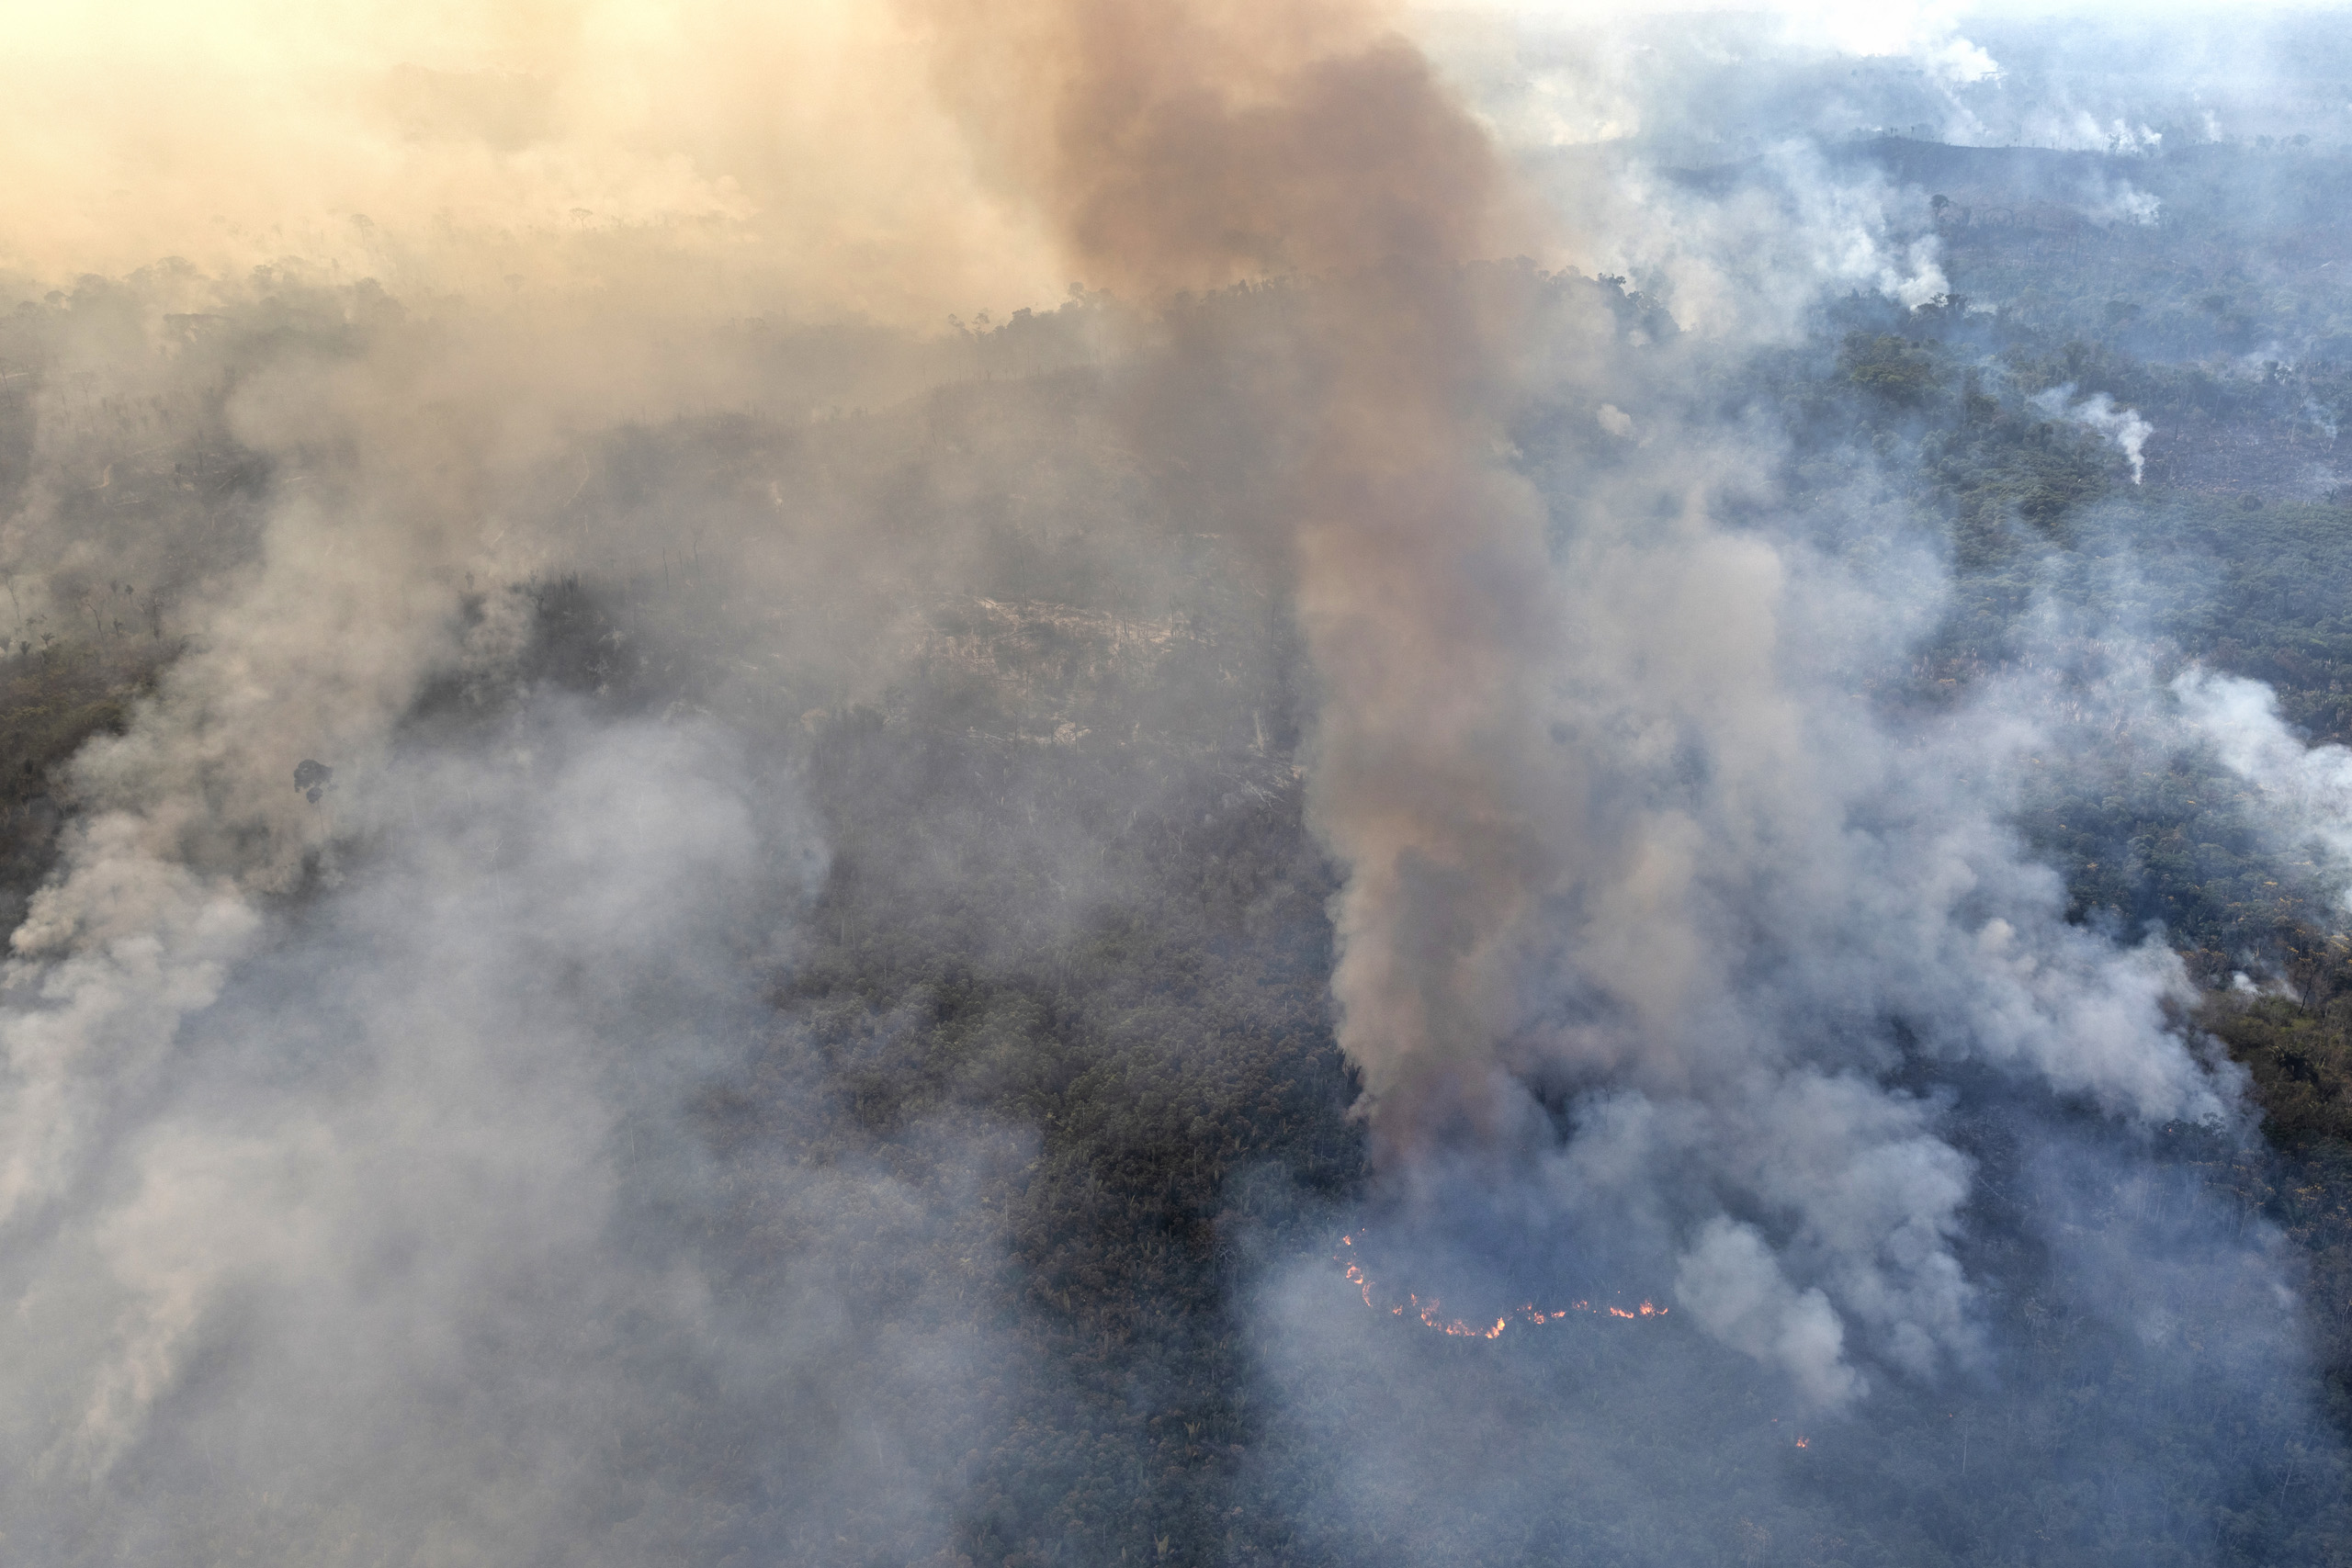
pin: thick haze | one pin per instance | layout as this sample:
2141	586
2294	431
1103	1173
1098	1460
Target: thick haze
352	1201
1733	80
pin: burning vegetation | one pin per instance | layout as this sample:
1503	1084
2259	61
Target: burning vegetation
1431	1313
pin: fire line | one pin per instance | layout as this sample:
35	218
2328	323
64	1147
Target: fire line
1430	1313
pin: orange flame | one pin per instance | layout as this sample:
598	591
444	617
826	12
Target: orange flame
1431	1313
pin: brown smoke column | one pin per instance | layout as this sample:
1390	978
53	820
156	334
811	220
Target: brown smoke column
1181	147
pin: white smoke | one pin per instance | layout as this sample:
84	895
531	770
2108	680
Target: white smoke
1748	264
1925	32
331	1131
2079	131
1755	880
2306	790
384	1212
2123	426
1731	1281
2122	202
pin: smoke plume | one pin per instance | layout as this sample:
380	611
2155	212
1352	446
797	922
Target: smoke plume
1616	844
2123	426
1176	149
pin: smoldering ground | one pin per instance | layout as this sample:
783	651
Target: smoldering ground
801	1029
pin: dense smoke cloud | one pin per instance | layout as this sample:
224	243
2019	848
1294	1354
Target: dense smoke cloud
2306	790
357	1149
694	158
412	1235
1610	829
349	1191
1191	148
1183	149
